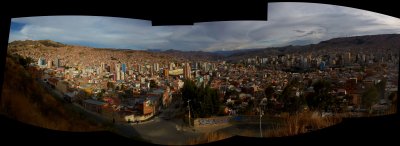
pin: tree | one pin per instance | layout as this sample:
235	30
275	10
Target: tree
231	92
24	61
204	100
392	96
110	85
381	88
123	87
153	84
321	99
292	103
322	87
370	97
269	91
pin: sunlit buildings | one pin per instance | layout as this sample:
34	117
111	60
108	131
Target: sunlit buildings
187	72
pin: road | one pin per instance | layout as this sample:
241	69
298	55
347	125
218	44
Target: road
157	130
119	128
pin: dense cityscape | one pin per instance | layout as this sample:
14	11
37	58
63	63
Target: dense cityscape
150	90
308	67
138	90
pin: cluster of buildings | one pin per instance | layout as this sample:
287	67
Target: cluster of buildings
139	90
128	90
351	73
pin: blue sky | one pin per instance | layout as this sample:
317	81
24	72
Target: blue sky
288	24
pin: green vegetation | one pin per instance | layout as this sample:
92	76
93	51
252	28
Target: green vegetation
269	91
110	85
370	97
293	103
153	84
22	60
204	100
300	123
320	99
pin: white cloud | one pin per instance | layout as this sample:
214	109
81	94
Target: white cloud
288	23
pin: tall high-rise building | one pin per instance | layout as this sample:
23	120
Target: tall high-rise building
187	71
99	70
348	58
166	72
305	62
196	66
140	69
57	62
171	66
205	66
41	61
150	70
364	58
122	75
49	64
156	67
123	67
118	71
102	66
213	66
112	68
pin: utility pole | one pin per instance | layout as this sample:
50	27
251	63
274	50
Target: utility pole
189	110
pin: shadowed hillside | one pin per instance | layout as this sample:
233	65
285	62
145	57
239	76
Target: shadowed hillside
360	43
23	99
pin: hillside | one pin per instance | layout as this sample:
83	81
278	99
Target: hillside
35	105
47	43
361	43
72	55
194	55
87	56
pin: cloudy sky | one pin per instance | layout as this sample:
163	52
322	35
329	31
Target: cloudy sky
288	24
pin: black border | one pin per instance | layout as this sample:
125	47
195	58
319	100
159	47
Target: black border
354	131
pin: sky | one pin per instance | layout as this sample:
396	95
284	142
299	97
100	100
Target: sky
288	23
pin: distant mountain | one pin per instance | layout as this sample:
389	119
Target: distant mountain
231	52
47	43
73	54
383	41
154	50
193	55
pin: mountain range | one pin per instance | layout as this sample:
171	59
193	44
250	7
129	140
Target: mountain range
382	41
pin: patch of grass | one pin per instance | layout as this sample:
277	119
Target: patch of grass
301	123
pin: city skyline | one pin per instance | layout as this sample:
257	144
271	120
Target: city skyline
288	24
